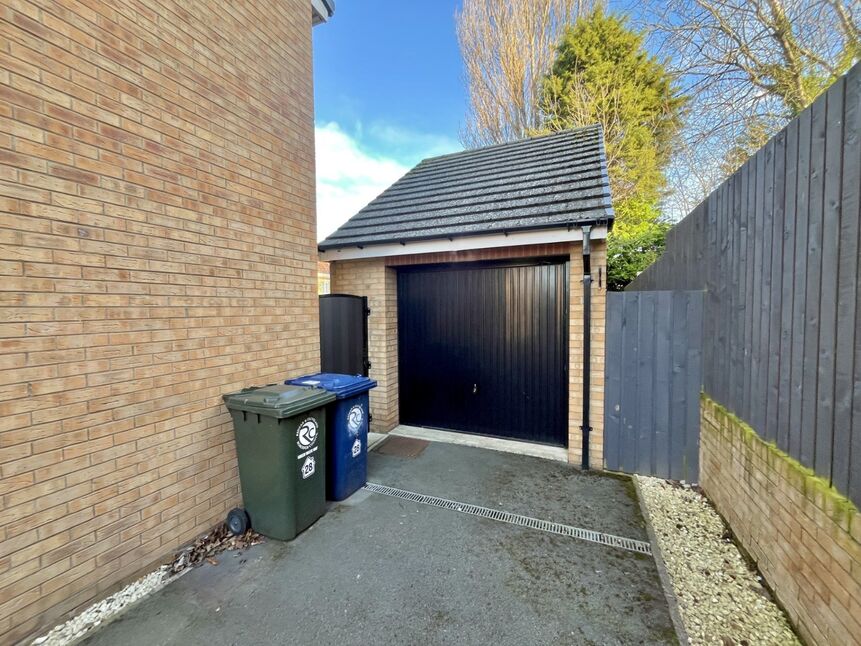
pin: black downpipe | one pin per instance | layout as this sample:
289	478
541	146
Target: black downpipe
587	342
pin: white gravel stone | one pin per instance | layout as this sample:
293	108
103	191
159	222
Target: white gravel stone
98	613
202	550
721	601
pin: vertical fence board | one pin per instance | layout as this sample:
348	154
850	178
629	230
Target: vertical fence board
716	289
693	367
846	472
678	364
776	237
756	353
777	249
738	313
750	209
613	386
787	287
645	381
761	420
725	290
735	290
710	271
665	438
629	413
800	280
828	282
814	282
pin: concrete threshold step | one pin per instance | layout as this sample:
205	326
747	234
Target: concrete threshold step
557	453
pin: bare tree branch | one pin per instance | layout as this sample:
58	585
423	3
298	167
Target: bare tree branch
508	48
750	66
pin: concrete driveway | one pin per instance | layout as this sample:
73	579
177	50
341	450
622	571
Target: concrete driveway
382	570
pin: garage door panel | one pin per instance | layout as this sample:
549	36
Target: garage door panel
483	350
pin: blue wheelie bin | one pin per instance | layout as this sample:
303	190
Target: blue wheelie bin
347	429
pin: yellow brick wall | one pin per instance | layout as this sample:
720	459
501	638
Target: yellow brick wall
373	279
158	249
575	349
805	538
377	279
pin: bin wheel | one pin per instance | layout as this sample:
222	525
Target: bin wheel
237	521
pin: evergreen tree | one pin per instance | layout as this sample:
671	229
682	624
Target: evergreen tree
603	74
636	241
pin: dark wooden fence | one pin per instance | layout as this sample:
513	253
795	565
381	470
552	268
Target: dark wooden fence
653	377
776	247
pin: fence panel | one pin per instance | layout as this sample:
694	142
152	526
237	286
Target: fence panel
776	249
653	377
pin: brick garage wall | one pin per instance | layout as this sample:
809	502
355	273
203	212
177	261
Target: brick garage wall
805	537
158	249
575	347
373	279
377	279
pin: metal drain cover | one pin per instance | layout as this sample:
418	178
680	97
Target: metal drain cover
402	447
619	542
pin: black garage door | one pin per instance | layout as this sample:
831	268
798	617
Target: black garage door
484	349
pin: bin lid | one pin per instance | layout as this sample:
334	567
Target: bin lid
342	385
278	400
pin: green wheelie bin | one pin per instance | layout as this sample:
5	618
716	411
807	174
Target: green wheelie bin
281	447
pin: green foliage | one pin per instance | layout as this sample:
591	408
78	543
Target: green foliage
798	85
603	74
636	241
797	89
636	212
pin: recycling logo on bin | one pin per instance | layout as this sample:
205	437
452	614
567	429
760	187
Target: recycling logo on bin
306	434
306	439
355	417
357	448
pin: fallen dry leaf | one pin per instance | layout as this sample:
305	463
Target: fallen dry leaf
216	541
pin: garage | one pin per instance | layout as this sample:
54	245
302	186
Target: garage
483	349
485	277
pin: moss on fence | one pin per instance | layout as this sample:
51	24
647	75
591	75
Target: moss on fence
812	486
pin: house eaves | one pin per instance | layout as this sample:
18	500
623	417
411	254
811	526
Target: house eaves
321	11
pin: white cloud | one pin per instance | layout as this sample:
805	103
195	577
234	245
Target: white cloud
347	177
417	145
350	175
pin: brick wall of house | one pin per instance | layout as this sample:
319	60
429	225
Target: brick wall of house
377	279
158	249
805	537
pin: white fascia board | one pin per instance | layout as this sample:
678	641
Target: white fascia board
320	11
466	243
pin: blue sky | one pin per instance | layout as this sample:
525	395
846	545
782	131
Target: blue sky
388	93
394	63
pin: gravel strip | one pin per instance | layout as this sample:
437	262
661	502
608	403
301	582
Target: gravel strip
203	550
721	601
104	610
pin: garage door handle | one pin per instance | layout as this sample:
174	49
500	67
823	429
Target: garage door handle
474	388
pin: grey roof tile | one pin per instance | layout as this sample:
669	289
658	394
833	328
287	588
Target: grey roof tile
554	181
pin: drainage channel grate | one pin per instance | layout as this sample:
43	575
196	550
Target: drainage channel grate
629	544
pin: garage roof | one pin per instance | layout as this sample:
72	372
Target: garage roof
556	181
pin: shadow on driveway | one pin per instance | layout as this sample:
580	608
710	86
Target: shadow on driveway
380	570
